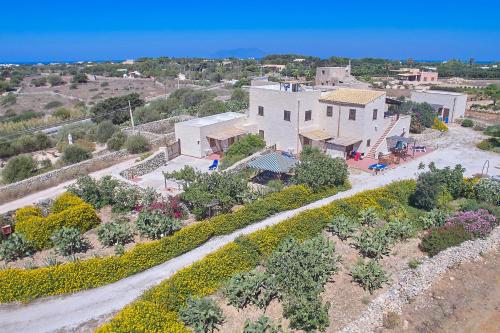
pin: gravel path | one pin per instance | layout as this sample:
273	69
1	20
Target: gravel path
53	313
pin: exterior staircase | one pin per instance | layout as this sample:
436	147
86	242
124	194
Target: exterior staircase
374	148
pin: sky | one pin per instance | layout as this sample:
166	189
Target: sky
32	31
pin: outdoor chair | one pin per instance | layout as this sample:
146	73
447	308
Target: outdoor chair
214	165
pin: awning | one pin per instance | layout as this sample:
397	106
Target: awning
316	135
274	162
401	138
226	133
344	141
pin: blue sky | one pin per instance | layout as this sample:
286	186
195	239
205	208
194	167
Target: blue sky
100	30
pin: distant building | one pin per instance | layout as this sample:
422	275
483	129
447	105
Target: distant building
132	75
128	62
415	75
332	76
448	105
274	66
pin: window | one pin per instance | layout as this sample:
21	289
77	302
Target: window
261	134
368	143
352	114
286	115
323	72
329	111
308	115
432	79
375	111
425	78
261	111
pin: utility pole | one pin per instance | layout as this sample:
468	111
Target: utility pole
131	117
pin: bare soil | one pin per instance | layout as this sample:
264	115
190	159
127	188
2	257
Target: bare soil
466	299
347	299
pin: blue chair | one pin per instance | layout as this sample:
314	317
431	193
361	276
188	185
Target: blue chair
214	165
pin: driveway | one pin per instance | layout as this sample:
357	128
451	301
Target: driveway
65	312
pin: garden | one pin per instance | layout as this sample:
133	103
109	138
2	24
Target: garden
99	224
320	269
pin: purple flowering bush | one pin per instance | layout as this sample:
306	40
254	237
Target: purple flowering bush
479	223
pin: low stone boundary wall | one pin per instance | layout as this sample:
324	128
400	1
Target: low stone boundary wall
161	126
19	189
146	166
413	282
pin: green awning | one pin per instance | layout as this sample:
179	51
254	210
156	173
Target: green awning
274	162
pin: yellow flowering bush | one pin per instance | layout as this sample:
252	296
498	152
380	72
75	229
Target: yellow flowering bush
64	201
157	310
67	211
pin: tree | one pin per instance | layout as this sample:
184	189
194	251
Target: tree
319	171
62	113
55	80
75	153
211	107
239	94
116	109
493	92
18	168
105	131
136	144
117	141
79	78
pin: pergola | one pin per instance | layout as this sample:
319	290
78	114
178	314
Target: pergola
276	162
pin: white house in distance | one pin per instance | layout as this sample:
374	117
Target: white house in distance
331	76
449	105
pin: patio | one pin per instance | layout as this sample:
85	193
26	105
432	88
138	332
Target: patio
156	180
366	162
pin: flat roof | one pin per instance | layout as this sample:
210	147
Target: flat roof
352	96
214	119
440	92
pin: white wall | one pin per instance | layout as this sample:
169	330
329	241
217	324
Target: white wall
277	131
453	101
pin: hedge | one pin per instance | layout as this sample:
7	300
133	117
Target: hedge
157	310
68	211
26	285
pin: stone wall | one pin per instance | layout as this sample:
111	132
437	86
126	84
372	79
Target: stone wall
161	126
19	189
148	165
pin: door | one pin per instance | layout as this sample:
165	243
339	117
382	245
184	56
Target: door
446	115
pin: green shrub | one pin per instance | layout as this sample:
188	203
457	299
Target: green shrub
342	226
19	168
153	224
137	144
398	230
491	144
97	193
62	113
68	241
117	141
373	242
414	263
202	315
307	313
488	190
53	105
105	131
370	275
262	325
467	123
276	185
368	217
114	233
15	247
125	199
439	239
319	171
434	218
493	130
242	148
187	173
254	288
74	153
